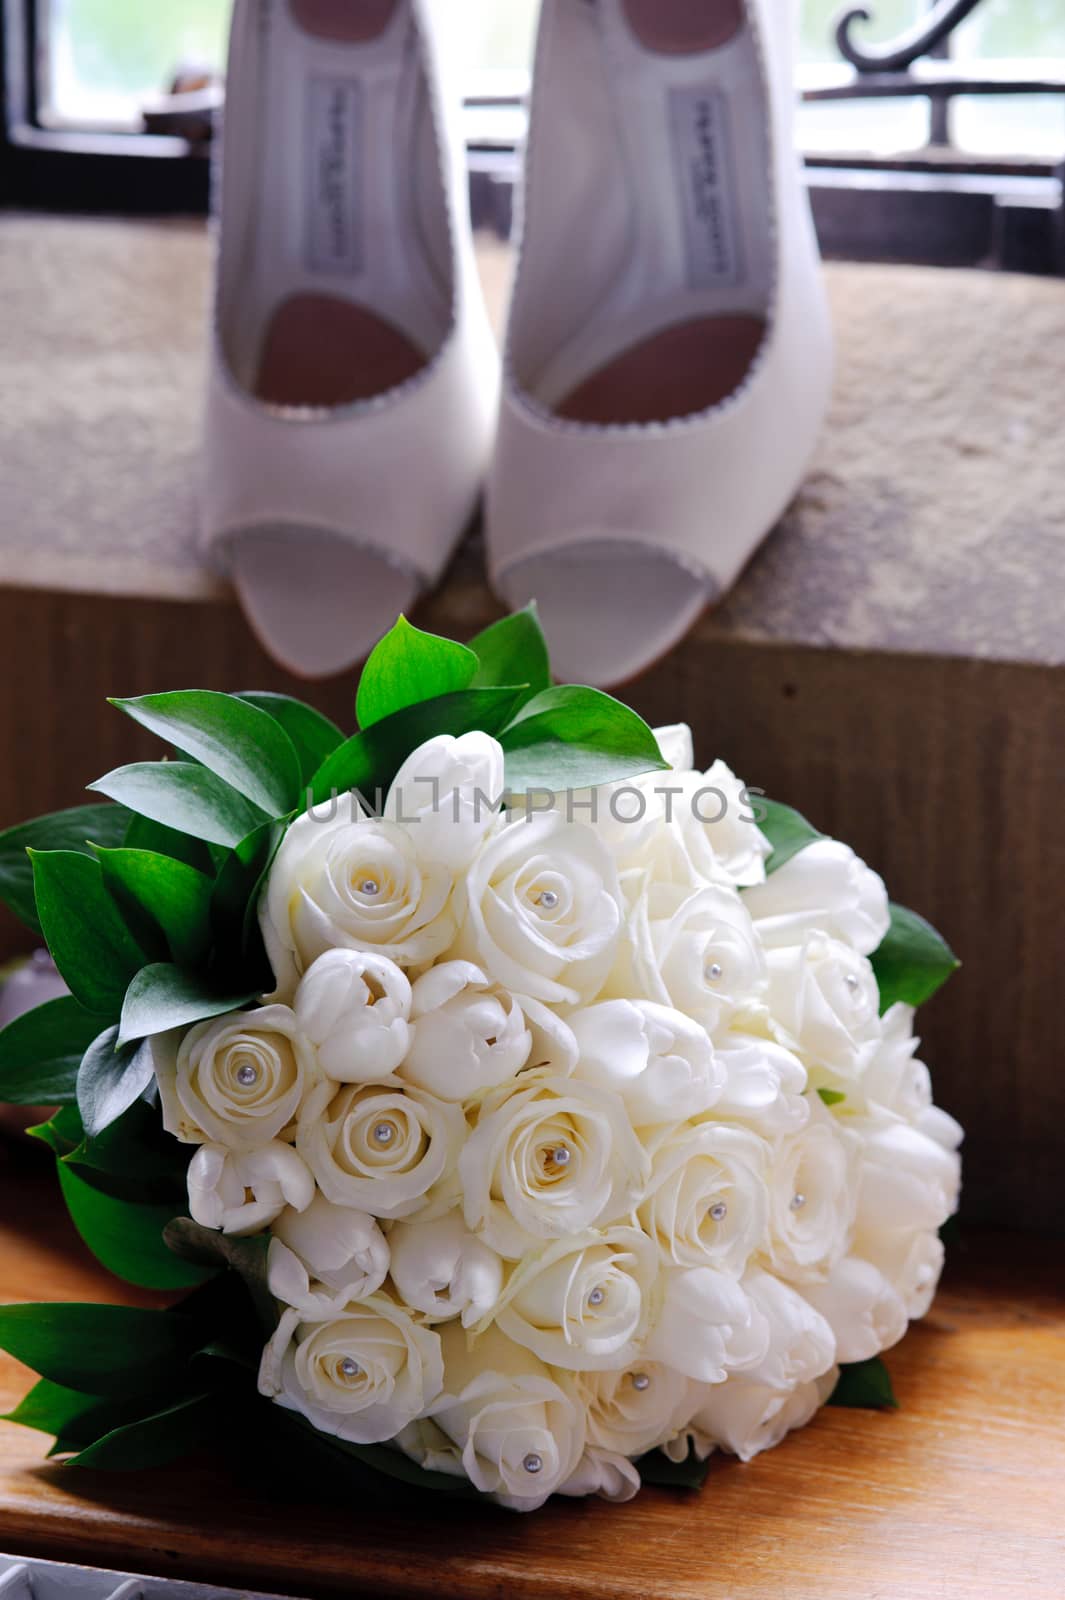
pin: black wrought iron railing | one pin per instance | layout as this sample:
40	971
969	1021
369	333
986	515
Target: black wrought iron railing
919	63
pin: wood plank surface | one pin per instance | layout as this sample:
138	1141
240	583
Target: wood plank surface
960	1495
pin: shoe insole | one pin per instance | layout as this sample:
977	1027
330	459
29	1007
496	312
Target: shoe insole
352	21
322	350
676	373
695	361
684	27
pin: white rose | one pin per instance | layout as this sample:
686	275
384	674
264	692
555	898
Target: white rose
893	1079
745	1417
802	1346
677	746
910	1261
583	1303
907	1179
554	1045
543	910
325	1256
363	1376
466	1036
813	1193
243	1191
764	1085
449	792
941	1127
715	819
353	1005
865	1313
708	1326
825	1003
705	1201
824	886
377	1148
443	1270
520	1433
659	1061
693	950
607	1475
353	885
238	1080
548	1157
425	1442
636	1409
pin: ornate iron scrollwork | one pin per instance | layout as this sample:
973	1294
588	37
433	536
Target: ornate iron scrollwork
920	40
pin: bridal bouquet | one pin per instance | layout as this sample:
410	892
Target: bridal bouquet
526	1110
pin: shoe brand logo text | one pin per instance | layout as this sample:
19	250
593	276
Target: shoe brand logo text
708	199
333	143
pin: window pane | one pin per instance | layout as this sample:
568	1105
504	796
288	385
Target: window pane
1004	28
106	56
1008	38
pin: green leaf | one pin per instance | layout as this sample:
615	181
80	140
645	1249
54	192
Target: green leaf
174	897
69	1415
184	797
91	945
407	667
41	1051
60	830
245	747
513	651
61	1133
179	1430
143	834
234	908
110	1079
313	736
576	738
787	832
913	962
656	1468
126	1237
371	759
162	996
100	1350
831	1097
133	1158
206	1248
865	1385
321	1454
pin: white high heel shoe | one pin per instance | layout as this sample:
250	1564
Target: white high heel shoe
354	380
669	355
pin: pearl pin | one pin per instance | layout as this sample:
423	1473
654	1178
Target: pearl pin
640	1381
597	1296
561	1155
714	971
718	1211
370	887
350	1368
798	1201
549	900
533	1463
384	1133
247	1075
851	980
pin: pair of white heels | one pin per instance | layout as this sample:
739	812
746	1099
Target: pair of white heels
668	355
